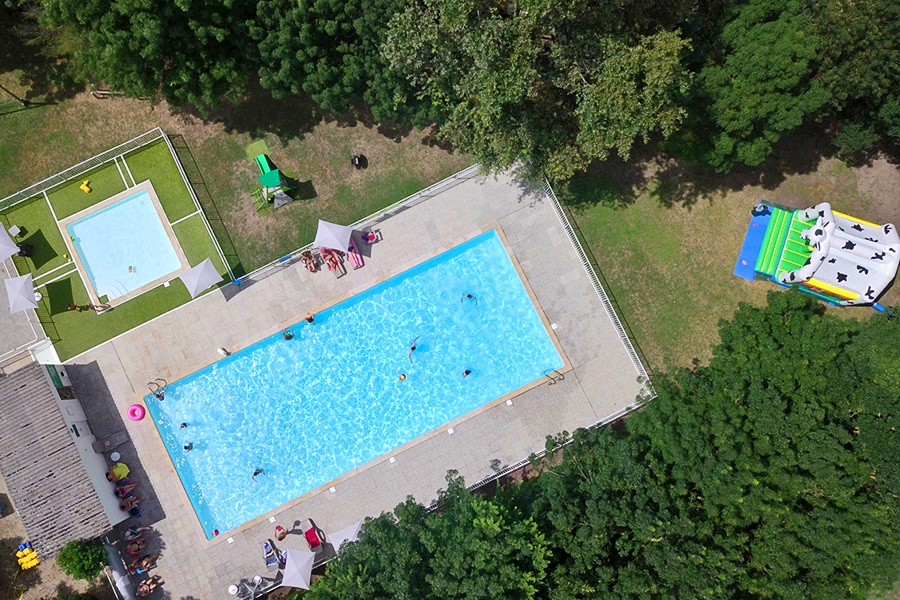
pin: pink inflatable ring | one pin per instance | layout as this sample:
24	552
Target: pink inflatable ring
136	412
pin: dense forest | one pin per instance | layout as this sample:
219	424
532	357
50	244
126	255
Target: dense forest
556	83
771	473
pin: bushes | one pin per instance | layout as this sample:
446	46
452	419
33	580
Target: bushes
82	559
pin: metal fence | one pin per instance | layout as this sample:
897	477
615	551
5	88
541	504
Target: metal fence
598	287
80	169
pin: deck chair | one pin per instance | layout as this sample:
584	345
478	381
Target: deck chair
269	554
315	537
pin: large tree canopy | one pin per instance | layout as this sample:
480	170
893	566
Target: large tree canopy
189	51
860	67
330	49
469	548
760	83
765	475
771	473
557	85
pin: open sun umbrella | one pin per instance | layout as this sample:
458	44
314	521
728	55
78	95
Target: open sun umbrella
298	569
200	277
20	291
7	246
347	534
332	235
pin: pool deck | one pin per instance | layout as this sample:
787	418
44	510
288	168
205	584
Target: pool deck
603	379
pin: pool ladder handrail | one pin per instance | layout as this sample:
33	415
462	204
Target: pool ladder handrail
553	375
157	389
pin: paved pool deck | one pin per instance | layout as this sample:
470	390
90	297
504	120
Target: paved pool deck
603	379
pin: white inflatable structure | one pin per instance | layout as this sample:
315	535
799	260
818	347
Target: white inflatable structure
851	261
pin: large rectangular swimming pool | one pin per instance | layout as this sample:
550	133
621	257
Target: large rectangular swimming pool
309	409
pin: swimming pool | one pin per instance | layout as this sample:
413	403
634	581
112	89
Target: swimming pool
309	409
123	245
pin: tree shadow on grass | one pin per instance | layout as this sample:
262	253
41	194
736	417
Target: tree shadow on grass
24	46
257	113
613	182
799	152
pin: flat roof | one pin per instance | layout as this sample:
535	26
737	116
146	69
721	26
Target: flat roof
42	467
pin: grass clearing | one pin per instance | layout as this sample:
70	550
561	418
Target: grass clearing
154	162
104	181
668	259
312	148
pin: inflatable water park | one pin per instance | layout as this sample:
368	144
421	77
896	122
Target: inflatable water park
840	259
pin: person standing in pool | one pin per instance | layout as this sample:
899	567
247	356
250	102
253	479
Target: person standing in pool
258	471
412	349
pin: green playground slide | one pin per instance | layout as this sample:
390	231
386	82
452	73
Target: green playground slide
796	249
783	249
773	241
262	161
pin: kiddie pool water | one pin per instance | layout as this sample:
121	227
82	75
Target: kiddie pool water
123	246
310	409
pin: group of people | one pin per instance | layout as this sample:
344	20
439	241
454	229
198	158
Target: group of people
125	490
332	258
136	544
84	307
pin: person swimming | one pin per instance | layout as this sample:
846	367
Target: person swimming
258	471
412	349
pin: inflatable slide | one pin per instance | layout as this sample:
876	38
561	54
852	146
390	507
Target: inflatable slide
838	258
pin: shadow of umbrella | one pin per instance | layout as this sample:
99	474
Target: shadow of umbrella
59	295
41	250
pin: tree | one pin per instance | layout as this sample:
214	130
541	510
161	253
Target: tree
469	548
748	478
330	50
860	54
187	51
760	82
553	84
82	559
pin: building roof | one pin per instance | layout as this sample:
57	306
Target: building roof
41	466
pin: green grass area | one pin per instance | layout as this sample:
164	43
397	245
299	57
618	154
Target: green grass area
39	229
154	162
73	331
667	258
104	181
197	244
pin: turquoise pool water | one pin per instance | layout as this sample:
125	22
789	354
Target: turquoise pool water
309	409
123	246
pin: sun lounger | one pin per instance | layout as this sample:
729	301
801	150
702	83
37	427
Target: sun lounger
269	554
315	537
356	258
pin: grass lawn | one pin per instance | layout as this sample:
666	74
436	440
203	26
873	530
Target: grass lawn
154	162
311	147
75	331
666	241
68	198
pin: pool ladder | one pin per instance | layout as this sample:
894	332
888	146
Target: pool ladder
553	375
158	389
